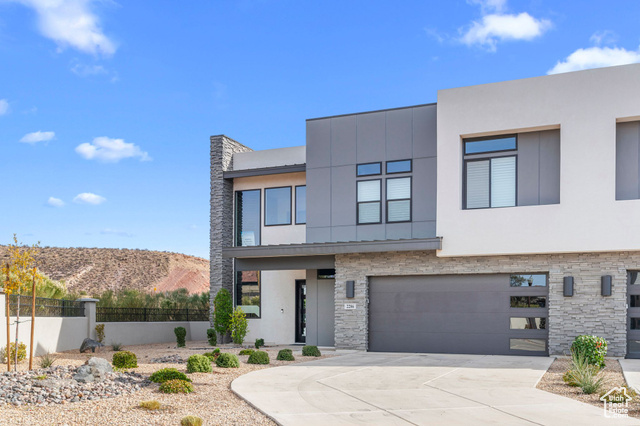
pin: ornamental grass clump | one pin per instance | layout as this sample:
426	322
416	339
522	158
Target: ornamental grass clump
310	351
124	359
166	374
582	374
593	348
176	386
199	364
191	421
150	405
227	360
285	355
181	334
258	357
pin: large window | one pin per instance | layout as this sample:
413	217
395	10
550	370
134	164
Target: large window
301	205
248	218
277	206
248	292
369	210
490	172
399	199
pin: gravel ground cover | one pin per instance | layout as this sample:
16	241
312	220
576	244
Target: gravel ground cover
212	399
612	373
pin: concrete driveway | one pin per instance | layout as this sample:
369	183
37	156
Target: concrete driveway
418	389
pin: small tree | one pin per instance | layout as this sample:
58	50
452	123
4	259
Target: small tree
223	308
239	326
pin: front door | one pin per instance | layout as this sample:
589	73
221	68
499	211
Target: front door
301	311
633	314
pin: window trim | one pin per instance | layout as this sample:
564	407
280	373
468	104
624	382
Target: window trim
386	197
295	204
379	180
290	206
488	138
386	167
235	289
235	214
366	164
475	158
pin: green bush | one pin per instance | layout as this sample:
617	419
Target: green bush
285	355
258	357
593	348
176	386
181	333
223	308
246	352
582	374
213	354
124	359
310	351
199	364
191	421
211	336
166	374
100	332
227	360
239	326
259	343
22	352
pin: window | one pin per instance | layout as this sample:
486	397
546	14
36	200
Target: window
531	345
248	218
527	323
635	323
528	301
248	292
369	169
368	200
399	199
277	206
326	274
634	302
632	277
402	166
490	176
528	280
301	205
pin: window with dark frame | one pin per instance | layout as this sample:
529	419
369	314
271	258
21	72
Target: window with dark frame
398	199
248	293
277	206
369	201
369	169
301	205
401	166
247	220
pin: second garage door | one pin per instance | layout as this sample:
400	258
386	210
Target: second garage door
467	314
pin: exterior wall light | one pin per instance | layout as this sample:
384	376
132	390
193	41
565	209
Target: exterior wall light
568	287
607	284
351	289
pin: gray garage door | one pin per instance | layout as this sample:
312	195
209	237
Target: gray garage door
466	314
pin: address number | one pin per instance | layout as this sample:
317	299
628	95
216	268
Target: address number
349	305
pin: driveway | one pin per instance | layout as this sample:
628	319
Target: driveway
418	389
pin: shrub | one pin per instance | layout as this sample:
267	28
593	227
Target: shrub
176	386
593	348
213	354
191	421
223	308
258	357
211	336
46	360
41	377
239	326
22	352
227	360
150	405
246	352
259	343
310	351
166	374
100	332
582	374
125	359
116	346
199	364
181	333
285	355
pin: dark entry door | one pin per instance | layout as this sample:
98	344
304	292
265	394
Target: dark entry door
301	311
633	314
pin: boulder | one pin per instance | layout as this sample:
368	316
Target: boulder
90	344
100	364
83	375
94	370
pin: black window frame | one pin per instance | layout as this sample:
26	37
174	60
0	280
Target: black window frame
545	274
386	167
290	206
379	180
295	204
410	199
235	218
482	157
239	294
379	163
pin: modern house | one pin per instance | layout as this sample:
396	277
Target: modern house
503	219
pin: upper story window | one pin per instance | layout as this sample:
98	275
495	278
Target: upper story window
248	218
402	166
277	206
490	172
368	201
399	199
369	169
301	205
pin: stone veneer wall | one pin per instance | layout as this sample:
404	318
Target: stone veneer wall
587	312
221	219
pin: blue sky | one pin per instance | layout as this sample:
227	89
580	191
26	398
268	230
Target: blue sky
106	107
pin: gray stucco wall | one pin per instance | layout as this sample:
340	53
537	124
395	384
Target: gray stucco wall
587	312
335	145
628	161
320	312
539	168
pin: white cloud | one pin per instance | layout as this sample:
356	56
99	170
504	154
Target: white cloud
603	37
4	106
490	5
109	231
71	23
497	27
110	150
86	70
596	57
55	202
89	198
38	136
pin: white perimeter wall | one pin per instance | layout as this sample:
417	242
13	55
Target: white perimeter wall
586	106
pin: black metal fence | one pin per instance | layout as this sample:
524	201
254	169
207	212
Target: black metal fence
46	307
150	314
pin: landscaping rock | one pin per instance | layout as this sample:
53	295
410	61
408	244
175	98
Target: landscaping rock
169	359
95	369
90	344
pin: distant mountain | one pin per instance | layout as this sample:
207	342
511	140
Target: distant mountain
94	270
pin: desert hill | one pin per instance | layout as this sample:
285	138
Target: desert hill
94	270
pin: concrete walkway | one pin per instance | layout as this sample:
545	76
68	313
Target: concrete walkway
418	389
631	371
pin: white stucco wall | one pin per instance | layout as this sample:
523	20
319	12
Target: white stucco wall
50	334
140	333
586	106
